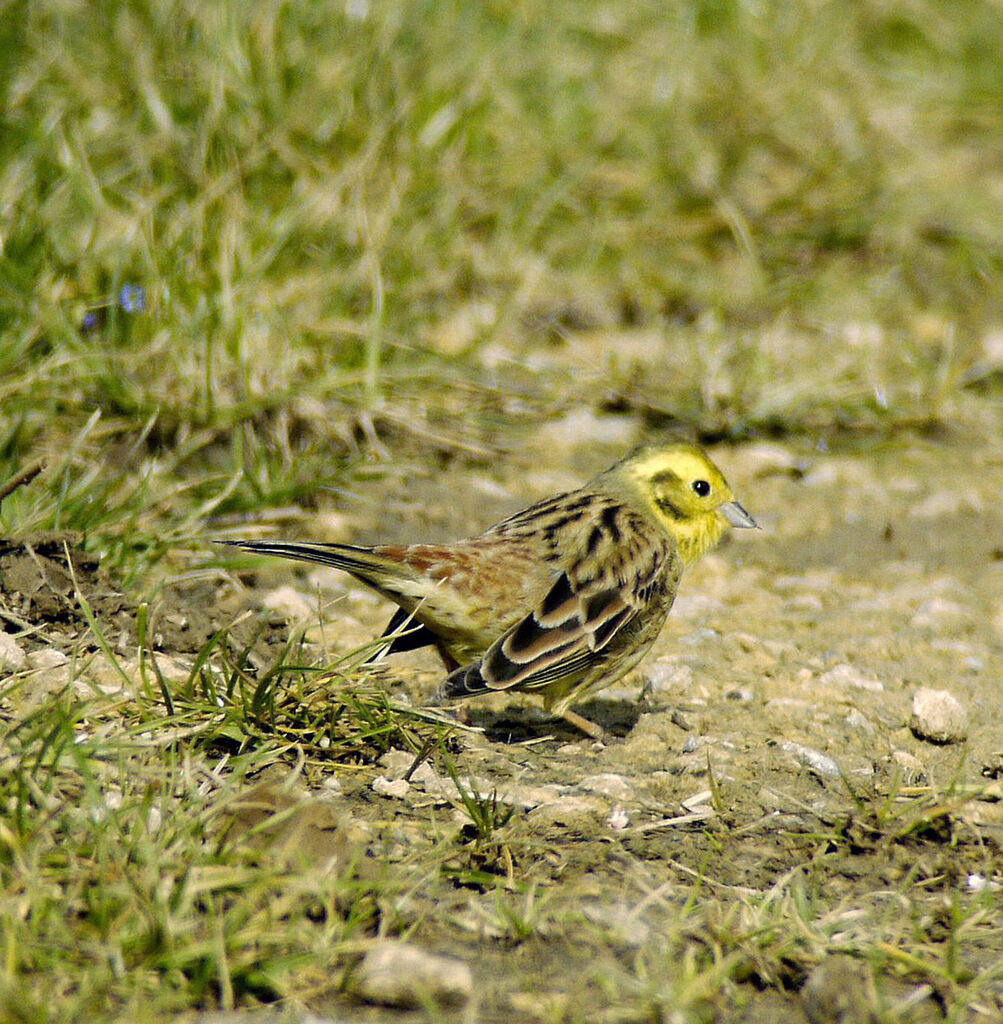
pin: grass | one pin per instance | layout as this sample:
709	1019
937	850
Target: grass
376	236
144	859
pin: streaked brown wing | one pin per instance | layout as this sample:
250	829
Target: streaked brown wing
589	606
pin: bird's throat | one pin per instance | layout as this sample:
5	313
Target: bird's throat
697	535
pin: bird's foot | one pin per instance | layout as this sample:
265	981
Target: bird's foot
591	729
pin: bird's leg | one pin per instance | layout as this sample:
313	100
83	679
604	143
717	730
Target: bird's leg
597	732
447	659
647	692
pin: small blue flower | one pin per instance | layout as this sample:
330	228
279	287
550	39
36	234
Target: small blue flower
92	321
132	298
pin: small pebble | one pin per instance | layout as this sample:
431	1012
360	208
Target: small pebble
700	637
618	819
528	797
813	759
701	799
390	787
856	719
695	607
396	762
406	976
992	350
47	658
668	674
847	675
12	657
912	767
766	458
289	603
616	787
569	811
938	716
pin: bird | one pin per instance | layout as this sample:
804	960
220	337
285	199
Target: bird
561	599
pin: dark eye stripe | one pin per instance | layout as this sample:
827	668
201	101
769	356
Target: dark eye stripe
672	511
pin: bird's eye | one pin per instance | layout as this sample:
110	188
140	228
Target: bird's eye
701	487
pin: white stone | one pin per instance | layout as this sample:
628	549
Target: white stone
695	607
396	762
12	657
938	716
847	675
618	819
906	760
566	810
670	674
856	719
813	759
403	975
390	787
289	602
700	799
528	797
947	502
616	787
992	349
47	658
174	670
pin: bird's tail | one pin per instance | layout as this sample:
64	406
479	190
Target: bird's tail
403	633
364	563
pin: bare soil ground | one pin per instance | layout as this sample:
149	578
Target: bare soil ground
768	774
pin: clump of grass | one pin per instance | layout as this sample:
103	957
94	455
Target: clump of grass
484	858
131	893
124	883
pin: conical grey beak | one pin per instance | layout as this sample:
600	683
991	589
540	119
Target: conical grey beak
737	516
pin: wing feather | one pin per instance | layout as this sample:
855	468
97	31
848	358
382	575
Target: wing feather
623	564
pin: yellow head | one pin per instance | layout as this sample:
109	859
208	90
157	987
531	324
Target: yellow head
683	491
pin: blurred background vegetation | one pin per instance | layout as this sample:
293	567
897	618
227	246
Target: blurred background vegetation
363	223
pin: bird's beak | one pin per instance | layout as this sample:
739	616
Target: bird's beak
737	516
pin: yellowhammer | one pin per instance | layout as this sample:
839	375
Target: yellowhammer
560	599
